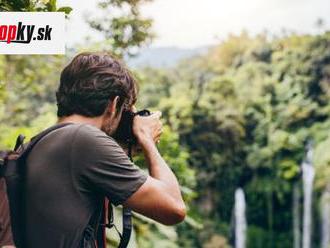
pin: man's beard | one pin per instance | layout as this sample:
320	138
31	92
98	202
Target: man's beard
107	127
110	125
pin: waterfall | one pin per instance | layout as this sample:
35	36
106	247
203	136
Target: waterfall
325	215
296	216
308	174
240	219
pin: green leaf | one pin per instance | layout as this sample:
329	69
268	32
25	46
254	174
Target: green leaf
67	10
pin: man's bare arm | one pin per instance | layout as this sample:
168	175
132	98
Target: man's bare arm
159	197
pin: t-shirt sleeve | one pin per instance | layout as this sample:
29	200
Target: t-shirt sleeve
103	166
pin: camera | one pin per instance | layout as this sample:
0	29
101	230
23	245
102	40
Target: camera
124	133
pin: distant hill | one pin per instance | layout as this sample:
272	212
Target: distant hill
163	56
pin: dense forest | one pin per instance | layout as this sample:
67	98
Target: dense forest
244	113
239	116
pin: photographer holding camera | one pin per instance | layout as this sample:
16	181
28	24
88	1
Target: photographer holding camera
73	168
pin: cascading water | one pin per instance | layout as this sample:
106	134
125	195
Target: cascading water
308	174
325	218
296	216
240	219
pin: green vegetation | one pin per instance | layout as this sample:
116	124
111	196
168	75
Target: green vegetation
244	112
125	32
32	5
238	116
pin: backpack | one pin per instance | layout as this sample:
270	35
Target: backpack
6	238
12	170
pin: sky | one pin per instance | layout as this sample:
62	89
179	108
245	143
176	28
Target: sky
196	23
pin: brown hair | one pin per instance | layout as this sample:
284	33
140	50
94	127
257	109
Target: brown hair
90	81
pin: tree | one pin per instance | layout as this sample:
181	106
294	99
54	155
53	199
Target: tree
244	112
27	97
122	25
30	5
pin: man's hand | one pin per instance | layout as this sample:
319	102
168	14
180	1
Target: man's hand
159	197
148	128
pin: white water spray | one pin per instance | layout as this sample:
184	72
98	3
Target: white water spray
240	219
296	216
308	178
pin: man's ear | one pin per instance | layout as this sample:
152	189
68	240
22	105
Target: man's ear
112	108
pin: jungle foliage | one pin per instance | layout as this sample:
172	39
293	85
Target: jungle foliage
244	112
238	116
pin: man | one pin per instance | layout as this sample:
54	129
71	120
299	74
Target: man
73	168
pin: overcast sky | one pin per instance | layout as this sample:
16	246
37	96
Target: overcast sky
194	23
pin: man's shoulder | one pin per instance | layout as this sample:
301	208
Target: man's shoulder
91	144
80	133
88	134
90	131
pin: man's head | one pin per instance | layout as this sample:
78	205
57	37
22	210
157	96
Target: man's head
96	85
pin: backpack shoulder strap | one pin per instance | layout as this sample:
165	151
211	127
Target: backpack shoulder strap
94	232
38	137
127	225
127	228
21	150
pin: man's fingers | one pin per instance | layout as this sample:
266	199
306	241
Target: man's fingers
157	137
157	114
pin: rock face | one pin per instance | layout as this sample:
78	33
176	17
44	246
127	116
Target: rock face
325	217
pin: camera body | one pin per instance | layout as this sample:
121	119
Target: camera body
124	133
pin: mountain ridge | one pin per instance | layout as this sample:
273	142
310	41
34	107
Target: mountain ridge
162	57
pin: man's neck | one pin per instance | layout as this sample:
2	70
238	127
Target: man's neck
94	121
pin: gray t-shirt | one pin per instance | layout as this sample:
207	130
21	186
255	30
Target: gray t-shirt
69	172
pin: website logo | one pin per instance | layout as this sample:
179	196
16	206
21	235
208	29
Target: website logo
32	33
